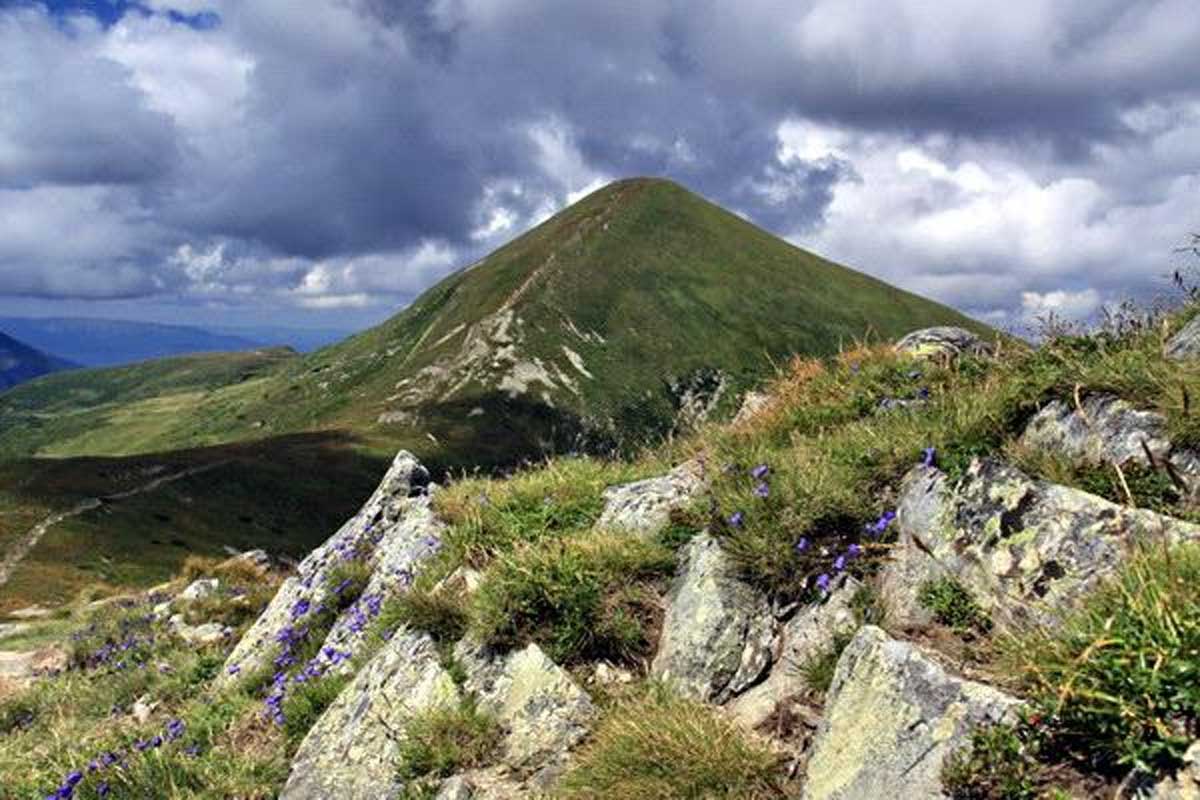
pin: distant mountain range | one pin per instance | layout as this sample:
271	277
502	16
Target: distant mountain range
637	307
107	342
19	362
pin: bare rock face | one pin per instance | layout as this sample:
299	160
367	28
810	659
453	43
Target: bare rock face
644	507
808	634
892	716
945	341
394	532
1185	344
1184	784
1027	548
542	711
718	632
351	751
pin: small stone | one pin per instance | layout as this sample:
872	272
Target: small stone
1184	784
200	589
606	674
942	342
455	788
644	507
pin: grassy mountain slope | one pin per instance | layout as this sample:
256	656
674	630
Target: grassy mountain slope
588	326
122	410
19	362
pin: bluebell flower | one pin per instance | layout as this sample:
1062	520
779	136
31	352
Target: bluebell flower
760	472
929	455
736	519
802	545
839	563
823	583
854	550
762	490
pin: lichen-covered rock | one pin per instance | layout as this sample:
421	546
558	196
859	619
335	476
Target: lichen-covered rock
542	711
1025	548
809	633
1184	784
350	753
944	341
394	531
1108	431
718	632
455	788
1185	343
199	635
892	716
644	507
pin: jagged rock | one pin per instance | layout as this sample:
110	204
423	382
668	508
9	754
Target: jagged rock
351	751
606	674
752	404
199	589
1186	343
1184	784
456	788
394	531
809	633
644	507
944	341
462	581
1108	431
892	716
717	634
542	711
1025	548
260	559
488	783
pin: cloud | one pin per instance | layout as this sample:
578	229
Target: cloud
355	151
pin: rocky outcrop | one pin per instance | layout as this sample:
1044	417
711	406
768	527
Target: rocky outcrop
1185	344
1184	784
810	633
393	533
1107	430
542	711
718	631
644	507
351	751
892	716
1024	547
944	341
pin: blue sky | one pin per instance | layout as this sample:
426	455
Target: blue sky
322	163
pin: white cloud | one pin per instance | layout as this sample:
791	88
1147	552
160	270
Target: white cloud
1065	305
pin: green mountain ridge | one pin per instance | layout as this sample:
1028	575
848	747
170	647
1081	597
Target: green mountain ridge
594	329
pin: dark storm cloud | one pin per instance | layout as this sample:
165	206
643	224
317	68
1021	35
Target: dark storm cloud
360	146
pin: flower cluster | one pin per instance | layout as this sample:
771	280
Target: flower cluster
113	759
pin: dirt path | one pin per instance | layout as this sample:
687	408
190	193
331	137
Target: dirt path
27	542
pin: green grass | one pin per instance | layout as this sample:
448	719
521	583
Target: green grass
443	741
953	606
590	597
656	744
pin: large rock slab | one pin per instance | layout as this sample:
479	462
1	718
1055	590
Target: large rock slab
542	711
1105	429
1184	784
386	532
351	751
644	507
943	341
810	633
1185	344
718	631
1025	548
892	717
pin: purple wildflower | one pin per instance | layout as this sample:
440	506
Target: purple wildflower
802	545
736	519
854	550
930	453
762	490
839	563
823	583
760	472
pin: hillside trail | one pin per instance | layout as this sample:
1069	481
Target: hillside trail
27	542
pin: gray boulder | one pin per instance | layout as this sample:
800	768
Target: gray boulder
1184	784
394	532
810	633
718	632
1185	344
542	711
892	716
644	507
199	590
1108	431
943	341
1025	548
351	751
